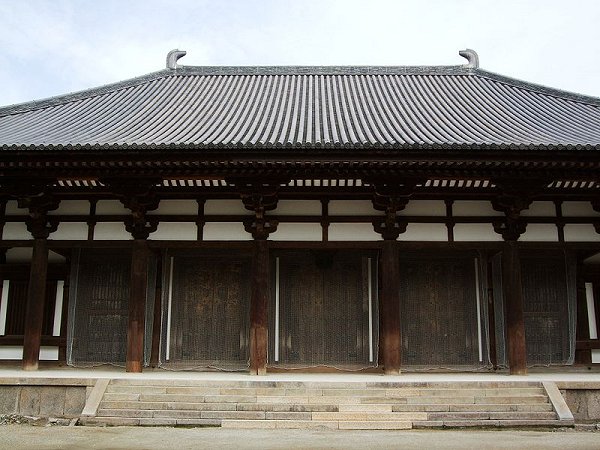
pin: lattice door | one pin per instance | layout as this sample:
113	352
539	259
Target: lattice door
439	312
323	315
546	308
209	312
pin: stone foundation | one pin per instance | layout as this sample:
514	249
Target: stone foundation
43	398
584	404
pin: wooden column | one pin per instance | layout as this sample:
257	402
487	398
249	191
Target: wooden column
258	308
390	198
137	306
513	300
259	198
36	296
137	194
515	195
40	226
390	308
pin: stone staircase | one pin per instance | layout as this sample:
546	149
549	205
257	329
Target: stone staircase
325	405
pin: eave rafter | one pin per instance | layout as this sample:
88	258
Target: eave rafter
555	165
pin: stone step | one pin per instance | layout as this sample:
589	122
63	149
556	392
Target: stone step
198	406
161	421
318	424
369	416
247	391
180	413
288	407
488	423
322	384
325	405
492	415
504	407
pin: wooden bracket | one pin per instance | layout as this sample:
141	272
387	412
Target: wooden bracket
260	198
39	224
139	197
390	197
515	196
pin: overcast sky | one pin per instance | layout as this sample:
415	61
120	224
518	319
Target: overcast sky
54	47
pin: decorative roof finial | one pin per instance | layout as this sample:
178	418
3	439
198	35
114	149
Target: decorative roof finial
471	56
172	58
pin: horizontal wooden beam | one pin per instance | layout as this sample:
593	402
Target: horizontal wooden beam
17	339
588	344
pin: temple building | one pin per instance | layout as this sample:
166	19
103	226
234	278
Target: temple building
263	219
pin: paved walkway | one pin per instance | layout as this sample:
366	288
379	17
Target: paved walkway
15	437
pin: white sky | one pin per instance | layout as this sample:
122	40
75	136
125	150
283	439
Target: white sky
54	47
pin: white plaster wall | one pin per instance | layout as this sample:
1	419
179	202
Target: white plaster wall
352	232
425	232
540	232
70	231
475	232
578	209
540	209
225	231
166	207
13	210
178	231
111	231
47	353
352	208
225	207
298	207
424	208
581	233
474	208
104	207
297	232
72	207
16	231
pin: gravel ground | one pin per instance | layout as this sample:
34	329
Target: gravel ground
23	436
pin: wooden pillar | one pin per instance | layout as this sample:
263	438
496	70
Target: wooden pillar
390	198
390	308
137	306
258	308
513	300
36	296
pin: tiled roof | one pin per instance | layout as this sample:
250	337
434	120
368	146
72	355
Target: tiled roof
308	107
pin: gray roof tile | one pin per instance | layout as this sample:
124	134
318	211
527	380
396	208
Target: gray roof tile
252	107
